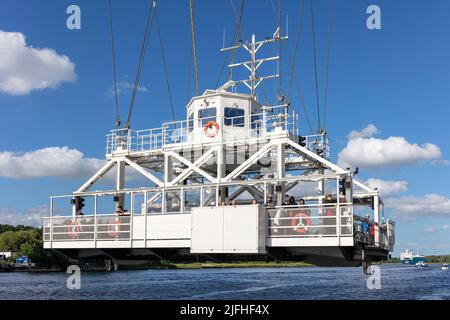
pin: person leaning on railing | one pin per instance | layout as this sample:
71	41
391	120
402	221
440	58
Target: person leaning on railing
305	213
288	215
368	228
329	212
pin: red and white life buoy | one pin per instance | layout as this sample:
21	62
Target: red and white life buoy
114	228
300	223
73	228
211	129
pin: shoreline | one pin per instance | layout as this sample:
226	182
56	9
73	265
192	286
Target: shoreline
173	266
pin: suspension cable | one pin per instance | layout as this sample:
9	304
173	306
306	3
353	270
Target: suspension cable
238	31
280	45
166	74
117	121
303	104
330	12
191	6
189	74
233	42
299	91
315	65
297	42
141	59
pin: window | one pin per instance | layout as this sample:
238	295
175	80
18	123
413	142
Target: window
191	122
234	117
205	115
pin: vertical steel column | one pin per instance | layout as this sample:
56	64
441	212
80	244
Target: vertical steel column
376	218
131	218
95	221
280	173
120	181
51	222
221	170
145	218
338	212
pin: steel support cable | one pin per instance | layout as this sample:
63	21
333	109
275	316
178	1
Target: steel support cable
325	106
234	41
237	33
297	43
315	65
191	7
280	45
189	74
303	104
141	60
263	90
117	121
302	100
166	74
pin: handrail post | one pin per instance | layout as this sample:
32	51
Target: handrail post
51	222
145	218
183	200
163	135
95	220
131	218
338	213
264	120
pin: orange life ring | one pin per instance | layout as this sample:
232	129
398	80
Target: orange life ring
208	132
114	228
73	228
300	223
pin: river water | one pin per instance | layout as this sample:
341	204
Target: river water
396	282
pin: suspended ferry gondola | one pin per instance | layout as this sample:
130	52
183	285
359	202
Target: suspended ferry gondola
219	180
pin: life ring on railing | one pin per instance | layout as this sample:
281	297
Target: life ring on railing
114	227
73	228
300	223
211	129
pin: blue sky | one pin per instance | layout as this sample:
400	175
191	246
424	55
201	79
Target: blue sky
396	78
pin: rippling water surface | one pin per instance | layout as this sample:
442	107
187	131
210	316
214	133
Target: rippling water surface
397	282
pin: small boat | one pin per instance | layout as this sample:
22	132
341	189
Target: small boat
421	264
444	266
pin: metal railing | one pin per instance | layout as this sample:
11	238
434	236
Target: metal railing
386	232
275	120
87	228
309	221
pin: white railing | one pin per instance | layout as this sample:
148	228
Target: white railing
318	143
309	221
87	228
274	121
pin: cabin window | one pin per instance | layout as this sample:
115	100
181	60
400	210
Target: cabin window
191	122
234	117
205	115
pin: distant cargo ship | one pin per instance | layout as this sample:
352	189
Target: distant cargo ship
409	257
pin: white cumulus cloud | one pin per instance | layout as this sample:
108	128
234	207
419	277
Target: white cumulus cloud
363	150
430	230
30	217
409	208
387	187
48	162
24	68
368	131
125	86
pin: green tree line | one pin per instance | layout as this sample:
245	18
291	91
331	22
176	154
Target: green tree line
27	241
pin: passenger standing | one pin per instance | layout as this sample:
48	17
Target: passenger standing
328	221
288	213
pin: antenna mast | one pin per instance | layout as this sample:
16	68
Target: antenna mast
253	65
